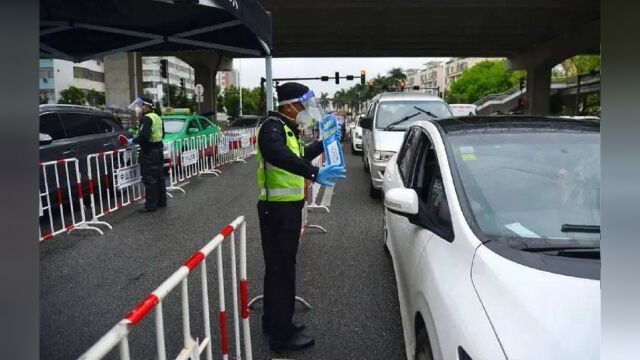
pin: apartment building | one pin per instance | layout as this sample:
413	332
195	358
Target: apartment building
153	84
58	75
455	66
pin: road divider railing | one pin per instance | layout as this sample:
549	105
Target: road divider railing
60	210
199	155
114	180
192	348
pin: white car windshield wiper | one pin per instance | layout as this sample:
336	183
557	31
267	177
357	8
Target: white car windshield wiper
388	127
573	228
426	112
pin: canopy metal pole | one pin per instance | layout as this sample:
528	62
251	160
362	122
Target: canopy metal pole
269	84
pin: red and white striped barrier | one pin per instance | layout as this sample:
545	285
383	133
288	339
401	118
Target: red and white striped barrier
114	181
58	180
118	335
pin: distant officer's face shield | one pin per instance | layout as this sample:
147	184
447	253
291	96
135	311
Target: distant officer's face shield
137	105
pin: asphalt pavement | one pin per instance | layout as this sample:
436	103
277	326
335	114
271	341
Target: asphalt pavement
89	282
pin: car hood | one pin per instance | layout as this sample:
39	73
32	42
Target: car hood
538	314
388	140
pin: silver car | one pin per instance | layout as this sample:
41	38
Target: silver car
384	124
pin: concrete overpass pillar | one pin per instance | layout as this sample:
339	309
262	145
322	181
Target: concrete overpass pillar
122	78
206	76
538	89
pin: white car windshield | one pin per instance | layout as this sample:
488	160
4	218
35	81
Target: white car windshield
532	185
390	112
173	126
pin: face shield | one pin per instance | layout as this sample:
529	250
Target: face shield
312	110
136	105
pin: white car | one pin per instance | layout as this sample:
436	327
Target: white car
356	137
493	228
383	127
463	109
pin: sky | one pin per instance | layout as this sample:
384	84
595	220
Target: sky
251	70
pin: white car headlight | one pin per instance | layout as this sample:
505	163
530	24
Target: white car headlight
383	155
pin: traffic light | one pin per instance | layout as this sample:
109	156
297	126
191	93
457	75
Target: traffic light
182	84
349	77
324	78
337	77
402	86
521	83
163	68
362	76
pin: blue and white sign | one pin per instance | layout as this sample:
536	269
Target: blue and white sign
329	135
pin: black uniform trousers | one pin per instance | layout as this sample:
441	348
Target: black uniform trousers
155	191
280	225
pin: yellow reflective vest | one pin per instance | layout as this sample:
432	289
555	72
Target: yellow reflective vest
276	184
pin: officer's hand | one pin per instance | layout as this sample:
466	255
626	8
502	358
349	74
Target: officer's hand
129	142
331	172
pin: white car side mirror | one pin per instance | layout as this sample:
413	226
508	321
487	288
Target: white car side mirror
401	200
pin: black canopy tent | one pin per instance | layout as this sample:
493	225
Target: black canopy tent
84	29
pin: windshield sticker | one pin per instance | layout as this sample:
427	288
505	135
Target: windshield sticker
467	153
469	157
521	230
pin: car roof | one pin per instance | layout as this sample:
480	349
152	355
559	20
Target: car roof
72	108
398	96
182	117
470	124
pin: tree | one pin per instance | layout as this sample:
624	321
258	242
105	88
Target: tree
486	77
324	101
232	101
575	65
95	98
72	95
178	98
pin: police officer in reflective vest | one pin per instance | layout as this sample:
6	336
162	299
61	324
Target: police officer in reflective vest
150	135
284	164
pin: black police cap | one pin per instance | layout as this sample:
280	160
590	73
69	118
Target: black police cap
291	90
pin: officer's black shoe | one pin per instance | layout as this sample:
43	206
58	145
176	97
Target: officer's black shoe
145	210
296	327
300	340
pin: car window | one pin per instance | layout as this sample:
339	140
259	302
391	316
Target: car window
103	124
51	125
193	124
405	158
390	112
78	124
371	110
204	123
426	180
173	126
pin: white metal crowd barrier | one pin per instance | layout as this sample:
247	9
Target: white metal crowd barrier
58	179
118	335
316	198
114	181
200	155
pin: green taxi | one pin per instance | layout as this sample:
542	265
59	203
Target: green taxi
181	124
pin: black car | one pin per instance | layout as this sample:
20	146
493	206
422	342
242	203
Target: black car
72	131
246	121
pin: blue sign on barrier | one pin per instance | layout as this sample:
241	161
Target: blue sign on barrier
329	135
